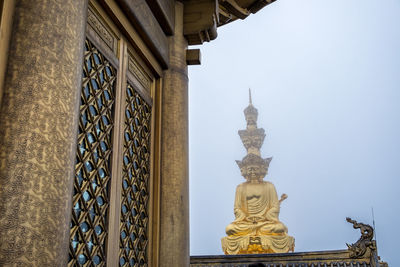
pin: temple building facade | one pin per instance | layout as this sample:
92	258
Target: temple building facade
94	128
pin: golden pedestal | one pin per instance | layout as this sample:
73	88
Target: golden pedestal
233	245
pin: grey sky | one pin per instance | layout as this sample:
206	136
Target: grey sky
325	78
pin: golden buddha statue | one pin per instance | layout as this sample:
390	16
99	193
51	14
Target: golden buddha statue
256	228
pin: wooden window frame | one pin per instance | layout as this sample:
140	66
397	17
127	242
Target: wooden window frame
117	40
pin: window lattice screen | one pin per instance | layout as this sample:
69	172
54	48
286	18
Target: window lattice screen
93	162
135	181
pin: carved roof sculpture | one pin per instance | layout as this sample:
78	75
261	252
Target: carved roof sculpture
358	249
256	228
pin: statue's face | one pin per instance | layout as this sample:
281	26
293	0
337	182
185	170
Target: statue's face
251	120
253	173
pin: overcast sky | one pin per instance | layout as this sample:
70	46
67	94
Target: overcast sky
325	78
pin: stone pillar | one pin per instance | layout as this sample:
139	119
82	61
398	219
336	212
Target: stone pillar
174	232
38	128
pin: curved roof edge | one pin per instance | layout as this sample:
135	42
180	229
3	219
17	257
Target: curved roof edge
202	17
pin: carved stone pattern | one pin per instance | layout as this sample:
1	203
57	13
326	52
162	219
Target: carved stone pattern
139	73
90	199
135	183
38	126
100	29
358	249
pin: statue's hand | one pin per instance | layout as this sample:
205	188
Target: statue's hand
254	219
283	197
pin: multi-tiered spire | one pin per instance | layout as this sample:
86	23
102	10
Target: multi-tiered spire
252	138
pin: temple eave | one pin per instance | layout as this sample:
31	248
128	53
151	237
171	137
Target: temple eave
333	258
202	18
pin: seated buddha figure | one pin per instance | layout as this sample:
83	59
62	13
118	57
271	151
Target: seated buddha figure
256	228
256	207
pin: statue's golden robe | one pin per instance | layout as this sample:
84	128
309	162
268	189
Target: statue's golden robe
256	222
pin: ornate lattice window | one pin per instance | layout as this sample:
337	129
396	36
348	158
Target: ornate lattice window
135	181
93	161
111	213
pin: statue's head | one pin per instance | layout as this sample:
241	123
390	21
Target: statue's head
253	167
254	173
251	115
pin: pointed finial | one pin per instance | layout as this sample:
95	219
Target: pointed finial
250	97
